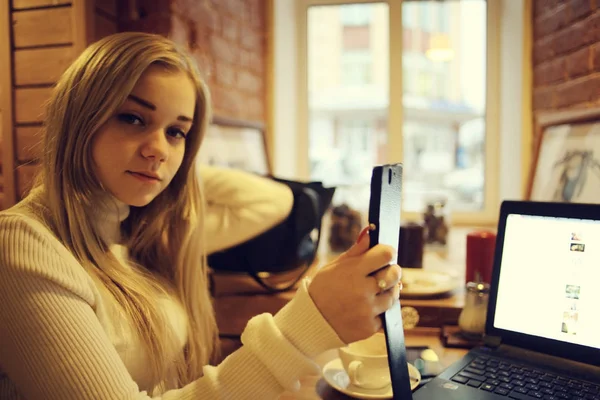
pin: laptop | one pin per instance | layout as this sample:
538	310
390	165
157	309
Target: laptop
542	336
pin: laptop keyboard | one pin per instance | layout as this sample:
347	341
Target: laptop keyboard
523	382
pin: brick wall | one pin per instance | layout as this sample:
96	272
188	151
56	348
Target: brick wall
566	54
226	37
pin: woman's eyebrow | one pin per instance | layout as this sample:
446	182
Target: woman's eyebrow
142	102
147	104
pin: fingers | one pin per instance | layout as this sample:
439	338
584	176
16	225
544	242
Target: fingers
378	257
361	245
385	300
377	325
387	277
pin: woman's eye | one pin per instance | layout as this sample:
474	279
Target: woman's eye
130	119
176	133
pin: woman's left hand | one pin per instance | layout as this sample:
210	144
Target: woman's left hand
353	291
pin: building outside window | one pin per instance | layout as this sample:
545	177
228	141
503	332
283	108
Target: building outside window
443	75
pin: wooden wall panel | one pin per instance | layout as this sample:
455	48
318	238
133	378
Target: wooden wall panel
6	105
1	177
42	39
1	153
1	128
48	26
30	104
21	4
29	143
42	66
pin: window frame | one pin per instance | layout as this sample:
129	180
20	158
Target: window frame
489	213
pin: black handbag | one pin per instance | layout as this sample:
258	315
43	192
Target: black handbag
290	245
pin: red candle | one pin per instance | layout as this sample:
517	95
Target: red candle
480	256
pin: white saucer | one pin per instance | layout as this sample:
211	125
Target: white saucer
423	283
337	378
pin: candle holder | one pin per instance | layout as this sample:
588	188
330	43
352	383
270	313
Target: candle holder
480	256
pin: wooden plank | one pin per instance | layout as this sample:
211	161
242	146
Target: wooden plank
234	312
42	66
1	151
25	176
6	105
107	6
103	26
42	27
22	4
29	141
30	104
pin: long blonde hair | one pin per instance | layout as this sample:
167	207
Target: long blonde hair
166	236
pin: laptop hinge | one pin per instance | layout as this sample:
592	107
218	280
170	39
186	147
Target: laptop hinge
492	341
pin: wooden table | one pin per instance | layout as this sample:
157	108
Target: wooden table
315	387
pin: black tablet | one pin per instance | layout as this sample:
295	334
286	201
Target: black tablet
384	213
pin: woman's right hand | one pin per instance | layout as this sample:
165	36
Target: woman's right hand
353	291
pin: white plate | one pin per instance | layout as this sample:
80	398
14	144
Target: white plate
335	375
425	283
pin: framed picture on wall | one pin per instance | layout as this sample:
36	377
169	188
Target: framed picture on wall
566	162
235	144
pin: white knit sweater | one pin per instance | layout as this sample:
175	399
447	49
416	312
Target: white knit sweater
61	336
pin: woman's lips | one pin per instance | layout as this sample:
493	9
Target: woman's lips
143	177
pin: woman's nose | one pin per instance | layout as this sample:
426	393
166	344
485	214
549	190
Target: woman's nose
156	146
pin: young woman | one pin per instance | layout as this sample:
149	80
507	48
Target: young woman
103	280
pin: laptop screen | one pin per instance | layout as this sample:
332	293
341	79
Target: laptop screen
549	282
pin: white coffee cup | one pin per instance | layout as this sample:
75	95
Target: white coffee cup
366	362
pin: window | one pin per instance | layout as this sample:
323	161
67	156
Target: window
444	22
356	68
352	116
356	38
448	107
409	16
355	14
425	84
347	114
425	15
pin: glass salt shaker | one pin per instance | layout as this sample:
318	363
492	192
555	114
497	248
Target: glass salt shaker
472	318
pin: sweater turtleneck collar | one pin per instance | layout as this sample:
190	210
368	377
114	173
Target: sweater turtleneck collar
110	215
